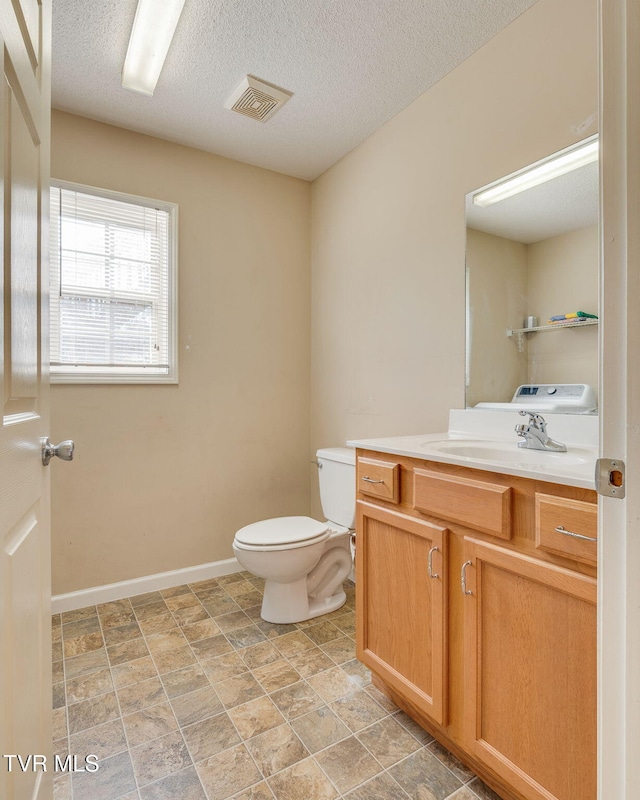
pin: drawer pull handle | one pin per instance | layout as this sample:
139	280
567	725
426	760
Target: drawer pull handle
463	577
370	480
560	529
432	574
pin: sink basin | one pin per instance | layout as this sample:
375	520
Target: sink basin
508	453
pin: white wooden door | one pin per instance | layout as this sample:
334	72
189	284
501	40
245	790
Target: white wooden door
619	543
25	582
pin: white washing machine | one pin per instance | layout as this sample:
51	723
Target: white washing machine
561	398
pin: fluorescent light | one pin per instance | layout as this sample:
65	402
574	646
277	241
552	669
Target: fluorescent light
151	36
542	172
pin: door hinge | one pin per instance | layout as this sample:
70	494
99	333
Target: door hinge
610	477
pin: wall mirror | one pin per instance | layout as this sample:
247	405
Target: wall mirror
532	254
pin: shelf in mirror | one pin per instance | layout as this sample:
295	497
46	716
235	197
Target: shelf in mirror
572	323
517	333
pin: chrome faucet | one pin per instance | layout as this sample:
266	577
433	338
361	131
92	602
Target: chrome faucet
535	434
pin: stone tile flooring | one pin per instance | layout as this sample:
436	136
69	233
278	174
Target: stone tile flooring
187	694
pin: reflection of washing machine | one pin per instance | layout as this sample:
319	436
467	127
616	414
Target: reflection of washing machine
563	398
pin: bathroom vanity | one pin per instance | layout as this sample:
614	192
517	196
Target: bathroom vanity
476	601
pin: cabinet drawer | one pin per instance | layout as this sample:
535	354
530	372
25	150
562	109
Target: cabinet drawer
478	504
379	479
567	527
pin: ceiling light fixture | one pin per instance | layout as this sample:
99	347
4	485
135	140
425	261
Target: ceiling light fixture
543	171
153	29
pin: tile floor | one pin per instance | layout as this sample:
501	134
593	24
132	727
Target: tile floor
187	694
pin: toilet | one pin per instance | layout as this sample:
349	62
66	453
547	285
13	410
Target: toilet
304	561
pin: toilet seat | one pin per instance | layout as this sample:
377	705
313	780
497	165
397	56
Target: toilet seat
281	533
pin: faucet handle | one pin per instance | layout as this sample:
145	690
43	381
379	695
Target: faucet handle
535	419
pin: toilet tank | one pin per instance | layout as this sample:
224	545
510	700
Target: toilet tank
337	476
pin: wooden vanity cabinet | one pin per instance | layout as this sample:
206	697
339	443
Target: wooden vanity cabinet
503	675
530	672
402	630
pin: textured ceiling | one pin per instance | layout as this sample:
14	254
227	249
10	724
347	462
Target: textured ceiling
558	206
351	65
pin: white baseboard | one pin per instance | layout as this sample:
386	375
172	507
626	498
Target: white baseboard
147	583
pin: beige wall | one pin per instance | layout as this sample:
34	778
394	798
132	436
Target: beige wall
509	281
164	475
563	277
388	227
497	288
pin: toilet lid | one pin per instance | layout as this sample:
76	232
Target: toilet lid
281	530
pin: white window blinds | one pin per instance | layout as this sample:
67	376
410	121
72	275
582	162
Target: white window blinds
112	287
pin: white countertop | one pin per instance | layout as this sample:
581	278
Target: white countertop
486	440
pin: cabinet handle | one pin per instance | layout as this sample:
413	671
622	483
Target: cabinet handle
370	480
433	574
560	529
463	577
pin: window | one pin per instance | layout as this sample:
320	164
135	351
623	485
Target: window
113	287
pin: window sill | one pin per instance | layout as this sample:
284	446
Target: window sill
60	377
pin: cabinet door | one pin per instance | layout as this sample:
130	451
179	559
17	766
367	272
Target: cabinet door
401	590
530	672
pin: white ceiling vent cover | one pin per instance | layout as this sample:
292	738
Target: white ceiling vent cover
256	99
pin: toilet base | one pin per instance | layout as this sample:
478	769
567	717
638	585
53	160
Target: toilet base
284	603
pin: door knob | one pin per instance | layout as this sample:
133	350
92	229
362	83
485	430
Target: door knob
64	450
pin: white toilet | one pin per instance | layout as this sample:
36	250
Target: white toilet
303	561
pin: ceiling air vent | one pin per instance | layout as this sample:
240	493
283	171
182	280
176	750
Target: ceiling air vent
256	99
